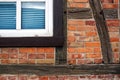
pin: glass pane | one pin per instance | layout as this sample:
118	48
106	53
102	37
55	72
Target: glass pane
33	15
7	15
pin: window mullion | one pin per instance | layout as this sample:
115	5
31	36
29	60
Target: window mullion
18	15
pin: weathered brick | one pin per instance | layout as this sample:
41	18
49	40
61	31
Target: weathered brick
45	61
76	22
13	61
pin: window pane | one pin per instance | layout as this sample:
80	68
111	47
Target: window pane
7	15
33	15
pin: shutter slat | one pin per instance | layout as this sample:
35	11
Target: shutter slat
33	17
7	15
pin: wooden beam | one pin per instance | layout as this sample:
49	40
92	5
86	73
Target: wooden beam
79	13
61	69
102	30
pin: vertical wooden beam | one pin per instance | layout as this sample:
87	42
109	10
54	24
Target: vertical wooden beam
61	52
102	30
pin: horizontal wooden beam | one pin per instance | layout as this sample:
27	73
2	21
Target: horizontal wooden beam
61	69
86	13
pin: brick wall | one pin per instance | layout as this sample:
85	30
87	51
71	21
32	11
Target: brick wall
83	45
82	37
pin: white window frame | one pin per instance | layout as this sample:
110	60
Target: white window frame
47	32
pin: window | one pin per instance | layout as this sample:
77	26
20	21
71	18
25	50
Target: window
26	18
31	23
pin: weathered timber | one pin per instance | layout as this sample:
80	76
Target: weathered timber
61	69
102	30
111	13
79	13
86	13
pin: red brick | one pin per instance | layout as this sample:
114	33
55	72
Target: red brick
114	39
23	77
23	61
72	28
9	50
113	23
81	50
84	61
4	56
3	78
23	56
49	50
74	78
93	55
71	50
32	56
5	61
71	39
72	61
98	61
110	6
27	50
116	1
116	55
97	50
76	22
43	77
40	56
107	1
91	34
33	77
80	1
53	78
90	23
31	61
92	44
13	61
13	55
12	78
40	50
77	56
78	5
50	56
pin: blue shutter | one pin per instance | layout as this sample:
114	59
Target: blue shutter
7	15
33	15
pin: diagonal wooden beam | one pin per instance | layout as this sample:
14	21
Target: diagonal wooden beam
102	30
